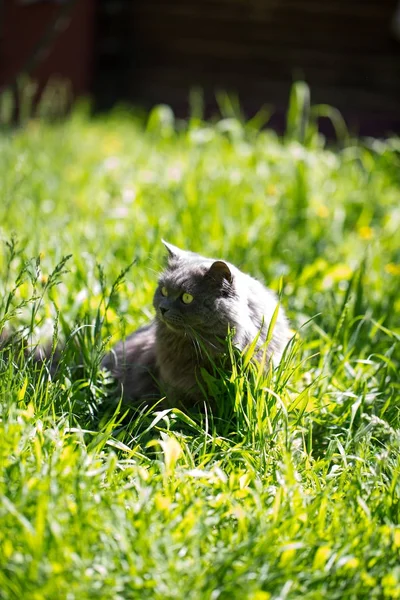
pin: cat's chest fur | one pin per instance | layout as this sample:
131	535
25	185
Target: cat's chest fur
178	360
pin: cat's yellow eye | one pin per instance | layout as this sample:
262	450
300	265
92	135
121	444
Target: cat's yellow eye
164	291
187	298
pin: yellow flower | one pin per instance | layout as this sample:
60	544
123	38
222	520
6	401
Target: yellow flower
322	211
260	595
7	548
365	232
340	272
368	579
111	315
162	502
352	563
390	585
287	556
321	556
392	269
396	536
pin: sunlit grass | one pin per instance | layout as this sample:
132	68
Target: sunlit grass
289	487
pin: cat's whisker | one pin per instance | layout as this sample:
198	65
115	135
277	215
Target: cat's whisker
196	344
199	347
195	348
197	351
207	341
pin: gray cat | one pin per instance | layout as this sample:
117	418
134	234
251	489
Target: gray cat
197	301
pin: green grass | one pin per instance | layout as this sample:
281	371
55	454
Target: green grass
290	489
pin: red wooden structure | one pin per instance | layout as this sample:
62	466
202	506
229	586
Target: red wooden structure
151	51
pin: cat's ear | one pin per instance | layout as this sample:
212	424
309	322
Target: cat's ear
219	271
173	251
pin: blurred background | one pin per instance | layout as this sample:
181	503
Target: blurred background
147	52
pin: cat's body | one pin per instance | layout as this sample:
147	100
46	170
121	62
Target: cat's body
198	300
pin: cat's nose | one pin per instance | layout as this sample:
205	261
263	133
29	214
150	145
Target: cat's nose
163	310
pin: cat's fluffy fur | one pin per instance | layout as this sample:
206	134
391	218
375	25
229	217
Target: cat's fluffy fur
165	357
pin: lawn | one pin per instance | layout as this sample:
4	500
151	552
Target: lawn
290	487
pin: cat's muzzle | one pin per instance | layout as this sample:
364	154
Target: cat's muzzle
172	321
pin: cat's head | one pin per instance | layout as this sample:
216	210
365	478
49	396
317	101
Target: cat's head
193	294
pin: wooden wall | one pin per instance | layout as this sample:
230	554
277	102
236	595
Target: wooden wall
47	39
151	51
343	48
